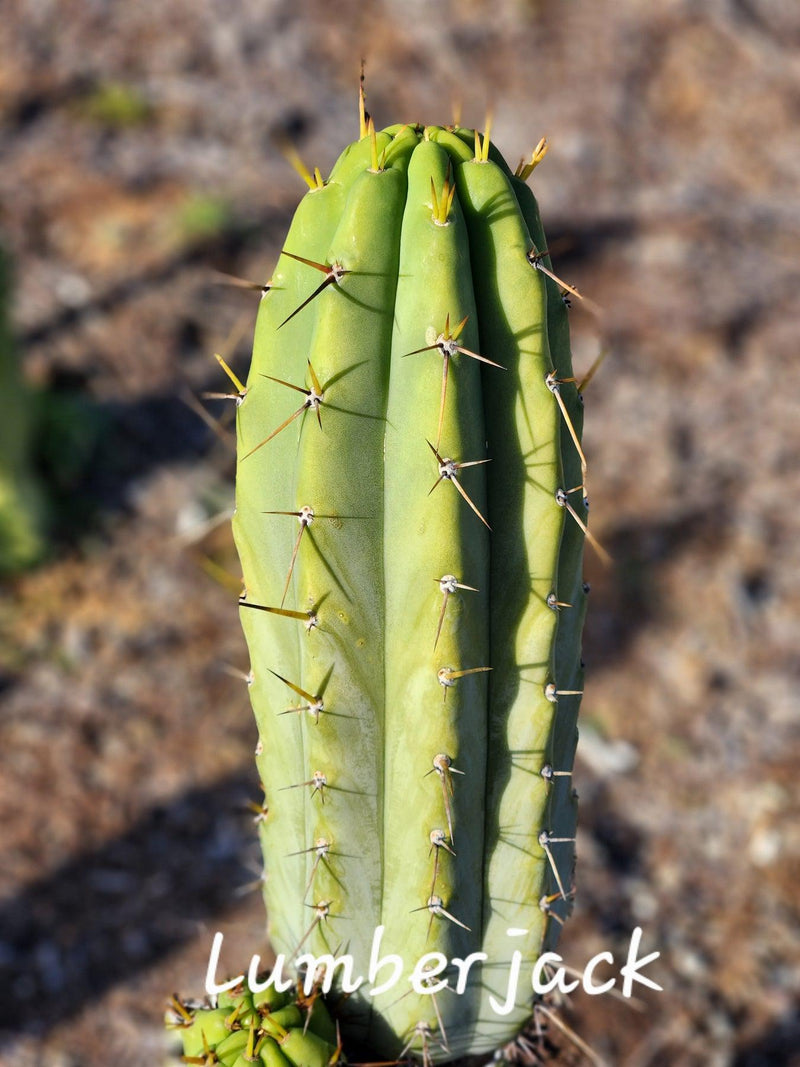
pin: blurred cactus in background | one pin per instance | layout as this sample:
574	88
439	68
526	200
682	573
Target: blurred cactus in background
21	499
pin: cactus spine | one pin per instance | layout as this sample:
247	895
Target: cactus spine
410	520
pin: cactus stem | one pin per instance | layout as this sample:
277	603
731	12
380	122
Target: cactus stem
334	272
448	469
362	579
310	618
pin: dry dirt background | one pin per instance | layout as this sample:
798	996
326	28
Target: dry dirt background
138	155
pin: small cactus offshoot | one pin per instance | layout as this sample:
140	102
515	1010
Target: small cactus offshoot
267	1028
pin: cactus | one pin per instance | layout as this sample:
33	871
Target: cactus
268	1027
410	518
21	500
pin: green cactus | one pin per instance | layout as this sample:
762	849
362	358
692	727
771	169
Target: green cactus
410	518
268	1028
21	501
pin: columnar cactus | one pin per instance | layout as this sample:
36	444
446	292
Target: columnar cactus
410	519
21	500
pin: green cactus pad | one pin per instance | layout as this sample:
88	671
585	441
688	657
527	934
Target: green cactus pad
410	524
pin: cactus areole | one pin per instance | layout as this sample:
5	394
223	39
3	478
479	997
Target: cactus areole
410	520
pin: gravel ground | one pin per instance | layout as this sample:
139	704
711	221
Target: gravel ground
138	155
